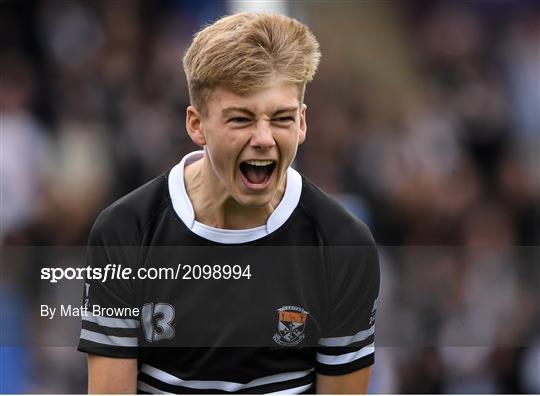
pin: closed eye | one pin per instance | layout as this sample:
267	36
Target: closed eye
238	120
284	119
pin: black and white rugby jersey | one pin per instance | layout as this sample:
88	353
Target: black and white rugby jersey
259	310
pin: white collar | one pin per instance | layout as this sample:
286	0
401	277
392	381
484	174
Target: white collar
184	209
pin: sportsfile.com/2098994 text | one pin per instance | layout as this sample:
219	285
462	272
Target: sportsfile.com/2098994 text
120	272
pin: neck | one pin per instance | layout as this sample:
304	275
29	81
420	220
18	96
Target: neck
215	207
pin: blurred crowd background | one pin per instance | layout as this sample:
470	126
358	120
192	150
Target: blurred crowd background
423	120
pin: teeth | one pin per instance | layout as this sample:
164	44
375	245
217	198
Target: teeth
260	163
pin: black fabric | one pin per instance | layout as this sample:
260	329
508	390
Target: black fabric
322	262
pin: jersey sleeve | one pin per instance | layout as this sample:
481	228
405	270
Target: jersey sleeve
347	343
110	326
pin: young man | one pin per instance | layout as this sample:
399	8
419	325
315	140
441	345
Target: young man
298	315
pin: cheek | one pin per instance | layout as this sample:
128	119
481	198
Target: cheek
288	141
219	159
224	152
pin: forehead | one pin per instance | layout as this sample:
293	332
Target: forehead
273	97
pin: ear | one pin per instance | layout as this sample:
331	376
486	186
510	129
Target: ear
303	126
194	126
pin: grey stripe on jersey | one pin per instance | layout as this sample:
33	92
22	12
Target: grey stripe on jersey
221	385
347	340
347	357
291	391
108	339
119	323
142	386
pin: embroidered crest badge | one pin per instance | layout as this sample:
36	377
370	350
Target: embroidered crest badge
291	325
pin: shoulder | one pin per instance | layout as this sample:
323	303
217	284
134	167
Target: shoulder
124	221
336	225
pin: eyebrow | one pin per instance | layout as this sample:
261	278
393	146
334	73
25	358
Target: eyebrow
286	110
226	111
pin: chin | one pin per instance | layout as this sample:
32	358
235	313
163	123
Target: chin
254	201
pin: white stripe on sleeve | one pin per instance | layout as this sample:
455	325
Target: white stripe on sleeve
109	340
118	323
347	357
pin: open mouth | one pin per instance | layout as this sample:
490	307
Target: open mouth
257	172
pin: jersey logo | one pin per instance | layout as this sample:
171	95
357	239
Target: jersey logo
291	325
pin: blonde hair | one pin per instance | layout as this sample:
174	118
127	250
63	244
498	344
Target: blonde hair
242	52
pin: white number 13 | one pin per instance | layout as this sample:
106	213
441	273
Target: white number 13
157	321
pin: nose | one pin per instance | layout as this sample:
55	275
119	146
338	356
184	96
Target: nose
263	138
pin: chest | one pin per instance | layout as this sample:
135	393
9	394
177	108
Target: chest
233	297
